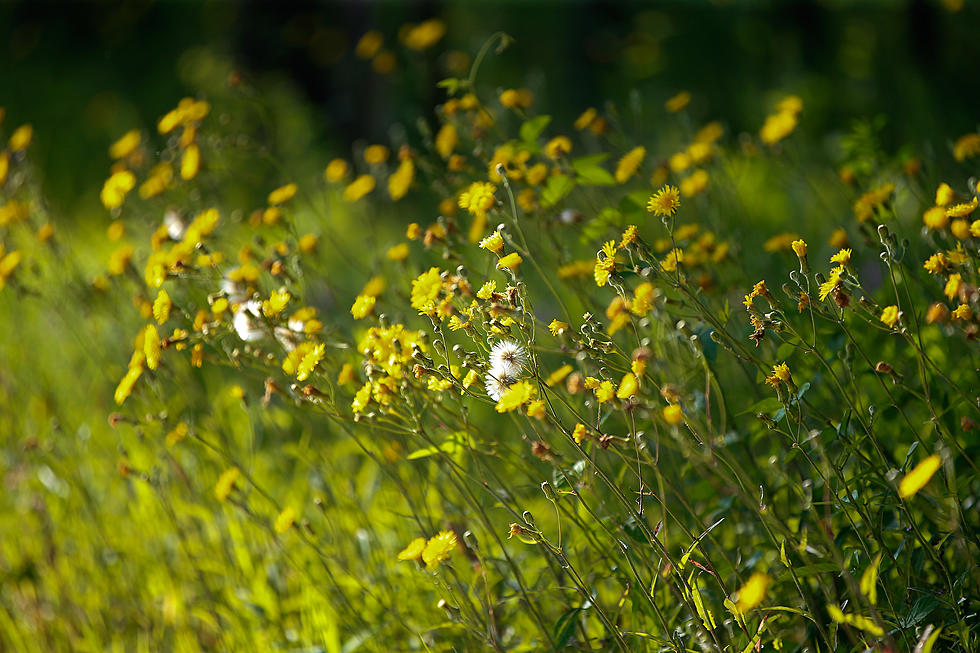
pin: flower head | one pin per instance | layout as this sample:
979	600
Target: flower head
665	201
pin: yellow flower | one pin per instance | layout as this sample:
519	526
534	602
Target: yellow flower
777	127
604	392
558	375
346	374
21	138
486	290
401	180
602	270
226	482
151	346
285	520
276	303
116	188
838	238
962	312
446	140
161	307
665	201
864	207
753	591
359	188
889	316
966	146
937	313
579	433
398	252
125	145
916	479
843	257
309	362
642	299
557	327
678	102
336	170
831	283
628	386
509	262
944	194
478	198
695	183
671	261
586	119
935	218
536	409
673	414
424	35
781	372
125	386
282	194
494	242
799	248
414	549
376	154
962	210
190	162
438	548
425	290
363	305
369	44
953	286
557	147
629	164
516	396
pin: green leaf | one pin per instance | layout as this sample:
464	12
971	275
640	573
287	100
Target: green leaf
564	628
454	443
532	128
767	405
557	187
451	84
589	172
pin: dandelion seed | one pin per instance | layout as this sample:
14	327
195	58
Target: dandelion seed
246	321
508	358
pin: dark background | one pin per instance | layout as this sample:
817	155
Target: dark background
84	73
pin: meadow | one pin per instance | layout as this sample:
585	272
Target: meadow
507	374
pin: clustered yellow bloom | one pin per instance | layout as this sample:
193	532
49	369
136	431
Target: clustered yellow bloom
781	124
780	374
432	552
865	206
664	202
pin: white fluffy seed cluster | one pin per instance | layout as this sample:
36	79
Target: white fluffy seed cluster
508	360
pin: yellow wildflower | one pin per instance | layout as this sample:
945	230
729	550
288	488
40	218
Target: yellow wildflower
604	392
414	549
486	290
864	207
665	201
359	188
694	183
843	257
966	146
424	35
557	327
558	375
962	312
126	145
628	386
438	548
309	362
425	290
116	188
336	170
277	301
161	307
953	286
494	242
190	162
369	44
478	198
125	386
557	147
363	305
753	591
629	164
151	346
226	482
961	210
585	119
579	433
678	102
673	414
509	262
376	154
21	138
401	180
285	520
516	396
916	479
889	316
777	127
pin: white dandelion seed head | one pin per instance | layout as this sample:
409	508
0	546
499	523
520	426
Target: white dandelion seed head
497	383
175	226
508	359
246	321
233	290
